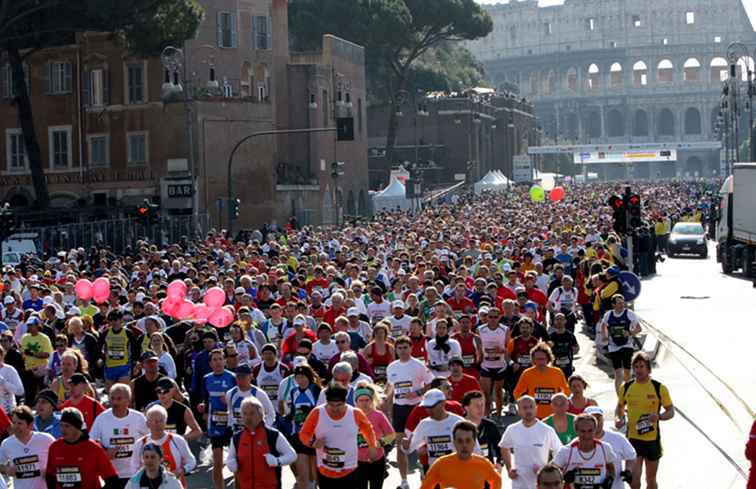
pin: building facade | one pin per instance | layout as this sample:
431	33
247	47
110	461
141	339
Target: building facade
454	137
620	71
114	129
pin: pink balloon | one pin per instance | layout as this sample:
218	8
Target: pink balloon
100	298
214	297
169	307
83	289
556	194
221	317
201	313
184	310
176	290
101	288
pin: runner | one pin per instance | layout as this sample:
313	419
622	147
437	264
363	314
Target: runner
471	346
380	352
270	373
549	477
461	383
578	401
623	450
618	326
10	384
153	473
180	416
562	421
494	338
243	389
563	344
298	402
464	467
488	433
47	420
531	442
88	406
541	381
441	349
119	347
64	468
23	455
372	472
117	429
643	399
587	463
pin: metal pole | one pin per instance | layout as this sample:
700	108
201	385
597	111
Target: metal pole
254	135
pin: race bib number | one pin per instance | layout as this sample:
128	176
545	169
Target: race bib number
484	449
123	446
524	360
401	389
68	476
492	355
562	361
543	395
587	477
380	371
27	467
644	425
438	446
468	360
334	458
219	418
271	390
116	354
396	331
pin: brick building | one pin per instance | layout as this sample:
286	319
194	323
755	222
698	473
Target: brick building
463	135
112	131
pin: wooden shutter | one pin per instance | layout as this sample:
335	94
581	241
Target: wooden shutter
269	44
233	26
219	28
254	32
86	88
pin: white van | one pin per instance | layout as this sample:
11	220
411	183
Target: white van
18	245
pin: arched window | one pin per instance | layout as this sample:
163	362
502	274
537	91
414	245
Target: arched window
534	83
549	87
719	70
592	124
665	71
594	77
692	70
640	123
666	124
743	66
640	74
615	121
692	121
615	75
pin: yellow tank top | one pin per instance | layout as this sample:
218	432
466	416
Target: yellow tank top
117	345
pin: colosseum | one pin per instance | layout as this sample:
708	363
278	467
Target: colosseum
622	72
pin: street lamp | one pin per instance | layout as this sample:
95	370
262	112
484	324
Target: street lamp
736	52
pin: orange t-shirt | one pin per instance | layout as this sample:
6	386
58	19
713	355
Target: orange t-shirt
542	385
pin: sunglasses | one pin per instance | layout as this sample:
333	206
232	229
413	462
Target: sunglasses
162	391
341	342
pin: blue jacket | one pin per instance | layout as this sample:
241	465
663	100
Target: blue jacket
52	429
200	368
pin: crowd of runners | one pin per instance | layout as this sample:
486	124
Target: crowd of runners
410	338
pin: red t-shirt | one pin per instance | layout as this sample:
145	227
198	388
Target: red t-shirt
89	407
5	421
464	304
84	461
462	387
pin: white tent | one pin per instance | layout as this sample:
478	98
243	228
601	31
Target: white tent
391	197
489	182
502	178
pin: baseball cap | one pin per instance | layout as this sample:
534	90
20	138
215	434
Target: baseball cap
353	311
299	361
483	310
78	378
594	410
432	397
149	355
165	383
399	304
299	321
240	290
73	311
49	396
9	300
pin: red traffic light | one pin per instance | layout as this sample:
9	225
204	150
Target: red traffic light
143	211
616	203
634	200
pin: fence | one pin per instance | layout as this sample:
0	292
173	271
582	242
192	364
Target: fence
117	233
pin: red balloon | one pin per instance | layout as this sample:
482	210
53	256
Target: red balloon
176	290
184	310
101	288
83	289
214	297
221	317
556	194
169	307
201	313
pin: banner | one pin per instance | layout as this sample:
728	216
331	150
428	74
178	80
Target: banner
591	157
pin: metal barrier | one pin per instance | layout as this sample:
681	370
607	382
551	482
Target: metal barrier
118	234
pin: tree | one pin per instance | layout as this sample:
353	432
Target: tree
144	26
396	34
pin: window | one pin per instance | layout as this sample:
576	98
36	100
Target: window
135	83
717	39
591	24
58	77
7	87
226	29
690	18
665	41
59	138
547	28
261	92
612	44
99	150
261	32
228	90
325	108
137	148
96	87
15	150
636	21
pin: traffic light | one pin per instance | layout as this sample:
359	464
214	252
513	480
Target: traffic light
345	129
620	216
147	212
7	221
337	169
634	210
235	207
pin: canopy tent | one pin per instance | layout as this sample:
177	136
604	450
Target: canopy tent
392	197
490	181
502	178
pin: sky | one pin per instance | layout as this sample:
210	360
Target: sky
750	6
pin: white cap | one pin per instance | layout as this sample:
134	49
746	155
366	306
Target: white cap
396	304
299	320
74	311
353	311
483	310
140	296
47	300
593	410
299	361
432	397
9	300
240	290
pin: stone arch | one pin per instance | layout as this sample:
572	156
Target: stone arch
533	82
615	123
718	70
640	74
550	83
744	64
666	123
692	70
351	204
665	71
615	75
594	77
572	79
692	121
571	126
19	197
592	124
694	167
640	123
63	200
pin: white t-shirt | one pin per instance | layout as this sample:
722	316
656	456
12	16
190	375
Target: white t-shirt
120	433
437	437
406	377
10	387
531	446
438	360
623	450
30	460
378	311
324	353
400	326
590	468
493	340
563	299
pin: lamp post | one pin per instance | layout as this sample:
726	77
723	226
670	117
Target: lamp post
736	52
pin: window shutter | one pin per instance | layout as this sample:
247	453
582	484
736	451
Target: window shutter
67	86
105	85
254	32
268	43
219	28
86	88
47	77
233	27
4	81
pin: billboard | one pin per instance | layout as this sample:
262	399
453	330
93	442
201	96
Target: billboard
522	169
631	156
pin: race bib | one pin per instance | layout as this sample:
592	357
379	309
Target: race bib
562	361
401	389
543	395
123	446
438	446
219	418
396	331
588	477
491	355
524	360
27	467
468	360
116	354
334	458
380	371
271	390
68	476
644	425
484	449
